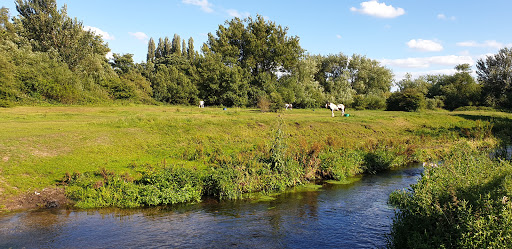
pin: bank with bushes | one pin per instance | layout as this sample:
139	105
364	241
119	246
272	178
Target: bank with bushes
153	155
462	201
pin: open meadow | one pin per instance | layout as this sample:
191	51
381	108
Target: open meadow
41	147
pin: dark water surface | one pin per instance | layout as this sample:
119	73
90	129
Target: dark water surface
336	216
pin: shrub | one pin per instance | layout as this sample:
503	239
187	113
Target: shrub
104	189
264	104
434	103
6	103
276	102
369	101
407	100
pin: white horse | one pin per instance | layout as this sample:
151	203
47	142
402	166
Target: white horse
334	107
201	104
288	106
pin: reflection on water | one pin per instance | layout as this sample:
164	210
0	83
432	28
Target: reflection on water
343	216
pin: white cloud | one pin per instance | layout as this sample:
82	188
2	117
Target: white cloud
338	36
139	36
424	45
444	17
204	4
97	31
374	8
426	62
485	44
401	75
235	13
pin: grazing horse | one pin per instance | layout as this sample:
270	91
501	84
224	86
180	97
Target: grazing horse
334	107
201	104
288	106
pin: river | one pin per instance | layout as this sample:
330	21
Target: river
353	215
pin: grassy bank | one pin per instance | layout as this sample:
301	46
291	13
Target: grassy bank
225	152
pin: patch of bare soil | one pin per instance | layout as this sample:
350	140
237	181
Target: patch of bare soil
52	197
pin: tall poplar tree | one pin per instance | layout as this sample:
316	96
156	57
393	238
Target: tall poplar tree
167	47
151	50
183	49
160	49
190	49
176	45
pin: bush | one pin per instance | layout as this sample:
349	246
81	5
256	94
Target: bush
6	103
264	104
434	103
276	102
405	101
369	101
167	186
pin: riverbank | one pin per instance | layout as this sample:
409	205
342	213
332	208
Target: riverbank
462	201
44	146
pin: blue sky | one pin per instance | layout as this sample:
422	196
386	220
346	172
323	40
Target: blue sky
419	37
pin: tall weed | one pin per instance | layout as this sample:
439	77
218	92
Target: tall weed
341	163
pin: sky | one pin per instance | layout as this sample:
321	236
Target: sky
417	37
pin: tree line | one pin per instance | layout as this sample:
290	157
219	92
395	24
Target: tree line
46	56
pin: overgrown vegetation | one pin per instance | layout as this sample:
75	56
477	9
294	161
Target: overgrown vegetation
463	197
461	202
229	177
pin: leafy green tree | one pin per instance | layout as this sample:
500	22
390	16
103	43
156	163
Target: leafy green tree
420	84
368	76
256	45
173	86
9	89
461	89
7	30
140	87
357	81
409	100
332	69
300	87
43	78
49	28
495	75
221	84
457	90
122	63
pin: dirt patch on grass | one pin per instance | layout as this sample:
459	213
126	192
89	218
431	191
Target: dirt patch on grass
51	197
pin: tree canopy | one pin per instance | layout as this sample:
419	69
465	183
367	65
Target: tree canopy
495	74
45	55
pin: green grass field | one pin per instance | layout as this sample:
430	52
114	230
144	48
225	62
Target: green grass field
39	145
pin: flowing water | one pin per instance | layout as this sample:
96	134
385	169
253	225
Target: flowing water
353	215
